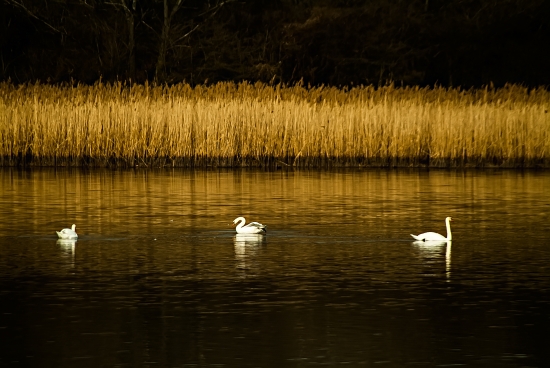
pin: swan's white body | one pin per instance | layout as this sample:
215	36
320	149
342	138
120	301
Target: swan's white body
68	233
430	236
252	228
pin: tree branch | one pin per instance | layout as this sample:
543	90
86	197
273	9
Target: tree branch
19	4
212	11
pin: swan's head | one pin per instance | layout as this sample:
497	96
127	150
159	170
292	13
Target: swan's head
73	227
238	219
449	219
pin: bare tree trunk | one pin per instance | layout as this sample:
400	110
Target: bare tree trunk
160	72
129	12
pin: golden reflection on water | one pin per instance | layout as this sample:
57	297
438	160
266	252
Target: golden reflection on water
157	249
118	203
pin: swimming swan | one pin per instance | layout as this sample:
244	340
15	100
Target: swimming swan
435	236
68	233
252	228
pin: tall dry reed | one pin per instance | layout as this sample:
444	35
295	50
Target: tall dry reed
255	124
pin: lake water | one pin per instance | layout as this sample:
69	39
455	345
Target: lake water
158	278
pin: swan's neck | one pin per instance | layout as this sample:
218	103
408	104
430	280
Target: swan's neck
449	234
241	222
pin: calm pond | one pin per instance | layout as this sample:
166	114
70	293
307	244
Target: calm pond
158	277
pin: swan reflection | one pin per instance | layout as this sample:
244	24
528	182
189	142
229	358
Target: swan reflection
68	247
247	247
67	243
448	260
248	239
434	249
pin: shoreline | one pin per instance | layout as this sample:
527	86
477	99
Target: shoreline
267	163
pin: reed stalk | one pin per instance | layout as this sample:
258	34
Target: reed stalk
229	125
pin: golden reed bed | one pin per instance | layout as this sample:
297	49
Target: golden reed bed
259	125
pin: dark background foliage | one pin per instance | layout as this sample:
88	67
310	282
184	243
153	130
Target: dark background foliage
333	42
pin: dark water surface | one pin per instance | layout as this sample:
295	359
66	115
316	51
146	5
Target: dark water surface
158	278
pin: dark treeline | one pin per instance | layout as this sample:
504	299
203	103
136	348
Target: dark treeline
332	42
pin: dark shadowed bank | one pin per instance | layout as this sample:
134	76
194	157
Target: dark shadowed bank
272	163
332	42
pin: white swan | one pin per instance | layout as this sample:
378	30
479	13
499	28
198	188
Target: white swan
68	233
435	236
252	228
